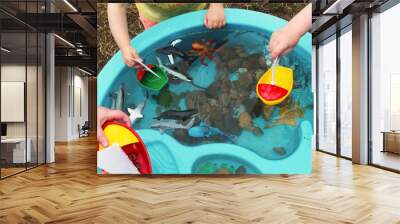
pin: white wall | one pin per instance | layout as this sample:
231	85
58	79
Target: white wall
33	127
13	73
61	103
70	83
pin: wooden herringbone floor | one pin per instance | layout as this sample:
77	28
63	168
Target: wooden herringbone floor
69	191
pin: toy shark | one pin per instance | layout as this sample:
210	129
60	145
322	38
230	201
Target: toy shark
163	125
177	114
173	72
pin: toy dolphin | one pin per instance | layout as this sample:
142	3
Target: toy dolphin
163	125
177	114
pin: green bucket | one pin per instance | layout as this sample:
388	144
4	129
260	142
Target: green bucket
150	81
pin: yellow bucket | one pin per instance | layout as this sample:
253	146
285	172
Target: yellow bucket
273	89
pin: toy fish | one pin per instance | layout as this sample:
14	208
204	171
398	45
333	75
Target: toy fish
204	130
163	125
135	114
173	72
177	114
120	98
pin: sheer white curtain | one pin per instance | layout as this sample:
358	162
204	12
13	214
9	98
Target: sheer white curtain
346	93
327	96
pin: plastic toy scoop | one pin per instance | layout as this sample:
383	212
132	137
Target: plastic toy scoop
156	81
131	144
145	67
275	85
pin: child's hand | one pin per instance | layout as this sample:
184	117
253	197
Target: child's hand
215	17
282	41
128	55
285	39
104	115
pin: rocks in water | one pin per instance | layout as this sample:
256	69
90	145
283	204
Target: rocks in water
259	73
289	113
221	105
246	81
257	109
252	61
238	110
227	53
242	70
222	73
213	89
224	99
279	150
250	103
261	61
195	98
246	122
241	52
233	64
267	112
225	86
241	170
230	125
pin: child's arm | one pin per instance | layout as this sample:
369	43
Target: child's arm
215	17
283	40
119	29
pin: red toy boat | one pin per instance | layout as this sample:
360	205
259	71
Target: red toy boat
131	144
